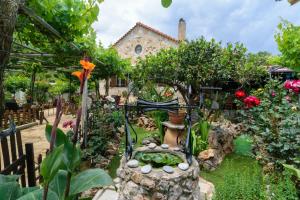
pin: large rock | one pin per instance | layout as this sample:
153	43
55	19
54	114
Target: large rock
147	123
220	143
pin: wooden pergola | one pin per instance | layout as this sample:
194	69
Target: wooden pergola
292	2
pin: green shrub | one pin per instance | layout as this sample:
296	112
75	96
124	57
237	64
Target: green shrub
13	83
275	124
243	145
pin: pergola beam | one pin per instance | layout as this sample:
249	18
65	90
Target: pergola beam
292	2
47	26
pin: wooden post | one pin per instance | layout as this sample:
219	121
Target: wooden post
30	164
18	122
41	117
40	159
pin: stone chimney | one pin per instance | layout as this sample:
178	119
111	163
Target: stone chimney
181	29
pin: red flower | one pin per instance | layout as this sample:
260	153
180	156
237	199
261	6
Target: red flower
292	85
251	101
240	94
288	84
296	86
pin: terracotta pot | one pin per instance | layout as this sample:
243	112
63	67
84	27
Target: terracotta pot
177	117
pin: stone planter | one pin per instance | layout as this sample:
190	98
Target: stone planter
158	184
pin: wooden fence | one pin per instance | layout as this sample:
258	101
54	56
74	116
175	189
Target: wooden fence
20	117
14	161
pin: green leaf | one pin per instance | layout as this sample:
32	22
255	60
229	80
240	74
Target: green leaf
38	195
61	138
293	169
166	3
52	163
27	190
8	178
89	179
58	184
10	191
71	156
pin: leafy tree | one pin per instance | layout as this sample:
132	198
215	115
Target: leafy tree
16	82
288	40
200	63
112	64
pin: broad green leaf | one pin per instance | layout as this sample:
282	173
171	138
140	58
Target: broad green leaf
166	3
89	179
71	156
38	195
10	191
8	178
61	138
58	184
52	163
27	190
293	169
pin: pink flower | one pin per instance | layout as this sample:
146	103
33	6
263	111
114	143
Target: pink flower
296	86
288	98
273	94
251	101
67	124
240	94
288	84
292	85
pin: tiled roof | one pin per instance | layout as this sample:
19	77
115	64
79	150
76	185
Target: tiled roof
149	28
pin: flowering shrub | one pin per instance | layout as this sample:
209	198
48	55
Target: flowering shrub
251	101
240	94
293	85
275	123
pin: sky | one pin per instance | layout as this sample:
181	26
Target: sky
251	22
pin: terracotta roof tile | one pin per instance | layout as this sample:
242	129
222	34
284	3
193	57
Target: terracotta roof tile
149	28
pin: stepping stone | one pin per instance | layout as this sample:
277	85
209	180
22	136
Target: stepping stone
146	169
117	180
152	146
107	195
168	169
183	166
146	142
133	163
176	149
207	189
164	146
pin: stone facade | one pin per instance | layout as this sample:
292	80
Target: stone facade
148	39
140	41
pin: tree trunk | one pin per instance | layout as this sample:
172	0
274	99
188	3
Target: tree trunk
8	18
106	86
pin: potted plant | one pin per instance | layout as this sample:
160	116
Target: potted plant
177	117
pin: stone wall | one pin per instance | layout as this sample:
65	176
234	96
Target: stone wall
159	185
220	141
150	41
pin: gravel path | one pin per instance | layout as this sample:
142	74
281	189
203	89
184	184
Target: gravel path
36	134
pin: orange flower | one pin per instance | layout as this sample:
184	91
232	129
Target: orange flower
87	65
79	75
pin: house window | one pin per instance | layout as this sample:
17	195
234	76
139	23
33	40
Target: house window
121	82
138	49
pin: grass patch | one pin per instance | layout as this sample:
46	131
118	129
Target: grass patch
238	178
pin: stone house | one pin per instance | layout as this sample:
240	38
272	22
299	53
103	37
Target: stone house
140	41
